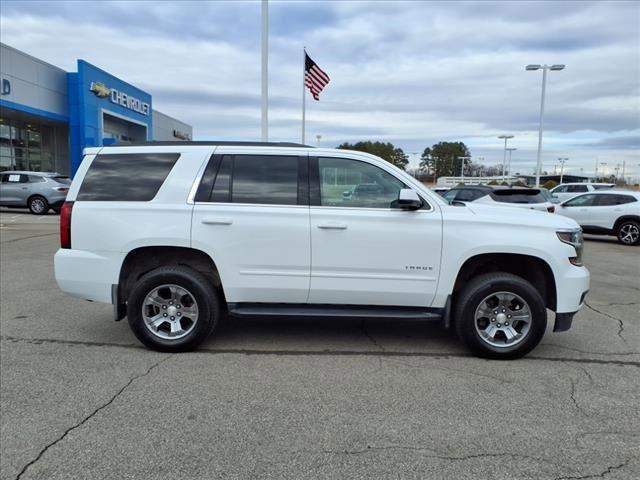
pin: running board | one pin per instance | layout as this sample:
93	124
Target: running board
358	311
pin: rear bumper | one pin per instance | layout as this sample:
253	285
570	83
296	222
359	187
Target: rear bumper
87	275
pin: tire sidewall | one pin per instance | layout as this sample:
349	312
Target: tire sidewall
44	200
619	232
196	284
478	291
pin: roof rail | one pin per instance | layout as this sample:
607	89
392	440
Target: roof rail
209	144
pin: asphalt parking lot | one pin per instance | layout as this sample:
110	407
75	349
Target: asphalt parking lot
80	398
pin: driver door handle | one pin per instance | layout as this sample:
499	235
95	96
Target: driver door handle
216	221
332	226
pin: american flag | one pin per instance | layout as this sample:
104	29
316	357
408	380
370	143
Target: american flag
314	78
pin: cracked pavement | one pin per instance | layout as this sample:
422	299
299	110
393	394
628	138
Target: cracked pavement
80	398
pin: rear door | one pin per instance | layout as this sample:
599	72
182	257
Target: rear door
364	251
609	207
251	215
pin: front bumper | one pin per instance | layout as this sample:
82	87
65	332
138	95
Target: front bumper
572	286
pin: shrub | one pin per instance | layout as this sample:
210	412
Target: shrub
492	182
549	184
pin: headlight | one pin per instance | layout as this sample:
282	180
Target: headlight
576	240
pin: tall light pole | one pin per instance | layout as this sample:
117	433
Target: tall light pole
318	138
544	86
510	150
604	170
265	72
462	159
504	157
562	160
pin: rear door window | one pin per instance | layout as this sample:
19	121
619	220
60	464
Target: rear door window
581	201
265	179
608	200
126	177
577	189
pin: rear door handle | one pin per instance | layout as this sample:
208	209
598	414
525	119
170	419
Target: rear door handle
216	221
333	226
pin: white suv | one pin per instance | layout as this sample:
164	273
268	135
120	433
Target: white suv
175	235
607	212
565	191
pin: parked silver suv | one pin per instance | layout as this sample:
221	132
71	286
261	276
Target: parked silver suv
38	191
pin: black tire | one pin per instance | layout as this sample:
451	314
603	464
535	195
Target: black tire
38	205
184	277
473	295
628	232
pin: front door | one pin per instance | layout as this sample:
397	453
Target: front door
13	189
363	250
580	209
252	218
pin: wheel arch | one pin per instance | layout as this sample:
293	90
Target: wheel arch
530	268
624	218
142	260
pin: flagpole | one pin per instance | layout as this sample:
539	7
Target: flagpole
265	74
304	59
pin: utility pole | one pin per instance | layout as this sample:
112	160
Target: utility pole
562	160
504	157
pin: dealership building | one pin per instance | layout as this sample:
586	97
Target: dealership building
48	115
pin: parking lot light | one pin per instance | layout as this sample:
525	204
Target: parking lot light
504	157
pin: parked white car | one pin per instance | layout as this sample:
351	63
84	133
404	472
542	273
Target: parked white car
175	234
530	198
606	212
565	191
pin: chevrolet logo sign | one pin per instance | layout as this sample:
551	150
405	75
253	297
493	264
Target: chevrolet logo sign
100	89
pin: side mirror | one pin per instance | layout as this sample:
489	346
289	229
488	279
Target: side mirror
408	199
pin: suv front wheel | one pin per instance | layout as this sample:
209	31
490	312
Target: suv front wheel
173	309
500	316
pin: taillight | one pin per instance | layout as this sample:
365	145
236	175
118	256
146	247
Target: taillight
551	209
65	225
60	189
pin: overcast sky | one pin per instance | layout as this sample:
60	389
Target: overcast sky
412	73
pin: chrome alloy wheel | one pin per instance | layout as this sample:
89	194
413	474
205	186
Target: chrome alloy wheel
170	312
629	234
503	319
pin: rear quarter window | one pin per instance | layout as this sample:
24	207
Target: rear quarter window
126	177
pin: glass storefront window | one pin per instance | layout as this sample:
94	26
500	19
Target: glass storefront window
26	146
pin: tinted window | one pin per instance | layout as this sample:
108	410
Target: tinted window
220	191
518	196
577	188
602	187
126	177
606	200
352	183
61	180
581	201
264	179
450	195
560	189
469	195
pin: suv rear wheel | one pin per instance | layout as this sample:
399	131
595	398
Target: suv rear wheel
38	205
629	232
173	309
500	316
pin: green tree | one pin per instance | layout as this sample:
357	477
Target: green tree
386	151
442	160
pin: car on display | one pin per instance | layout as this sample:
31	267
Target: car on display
174	235
565	191
606	212
37	191
530	198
